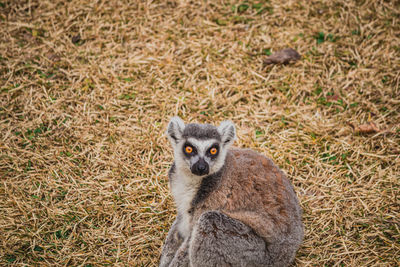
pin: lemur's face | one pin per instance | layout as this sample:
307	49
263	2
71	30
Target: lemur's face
201	155
200	148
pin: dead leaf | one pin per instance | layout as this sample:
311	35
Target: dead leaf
75	39
332	97
366	128
53	57
282	57
28	37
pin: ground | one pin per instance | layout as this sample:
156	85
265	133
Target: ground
87	89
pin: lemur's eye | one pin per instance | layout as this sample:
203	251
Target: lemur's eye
188	149
213	151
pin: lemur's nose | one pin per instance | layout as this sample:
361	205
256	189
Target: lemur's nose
200	167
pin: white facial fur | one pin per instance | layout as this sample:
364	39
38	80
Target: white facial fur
202	147
175	131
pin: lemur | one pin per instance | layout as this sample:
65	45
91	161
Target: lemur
234	206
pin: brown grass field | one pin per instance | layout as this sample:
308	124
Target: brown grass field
87	88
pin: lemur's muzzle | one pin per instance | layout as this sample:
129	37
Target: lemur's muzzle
200	167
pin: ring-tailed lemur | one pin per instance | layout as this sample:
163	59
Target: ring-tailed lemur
235	207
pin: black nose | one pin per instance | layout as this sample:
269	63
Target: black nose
200	167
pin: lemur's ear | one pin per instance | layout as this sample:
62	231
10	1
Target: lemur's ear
227	131
175	129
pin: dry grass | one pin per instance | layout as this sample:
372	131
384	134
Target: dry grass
84	162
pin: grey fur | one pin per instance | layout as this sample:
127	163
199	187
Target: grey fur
244	213
201	131
182	256
220	240
171	246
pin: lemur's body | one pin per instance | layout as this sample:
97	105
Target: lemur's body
235	207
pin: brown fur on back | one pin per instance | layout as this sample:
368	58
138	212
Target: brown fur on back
255	191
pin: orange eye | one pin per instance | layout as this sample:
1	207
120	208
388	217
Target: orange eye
188	149
213	151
